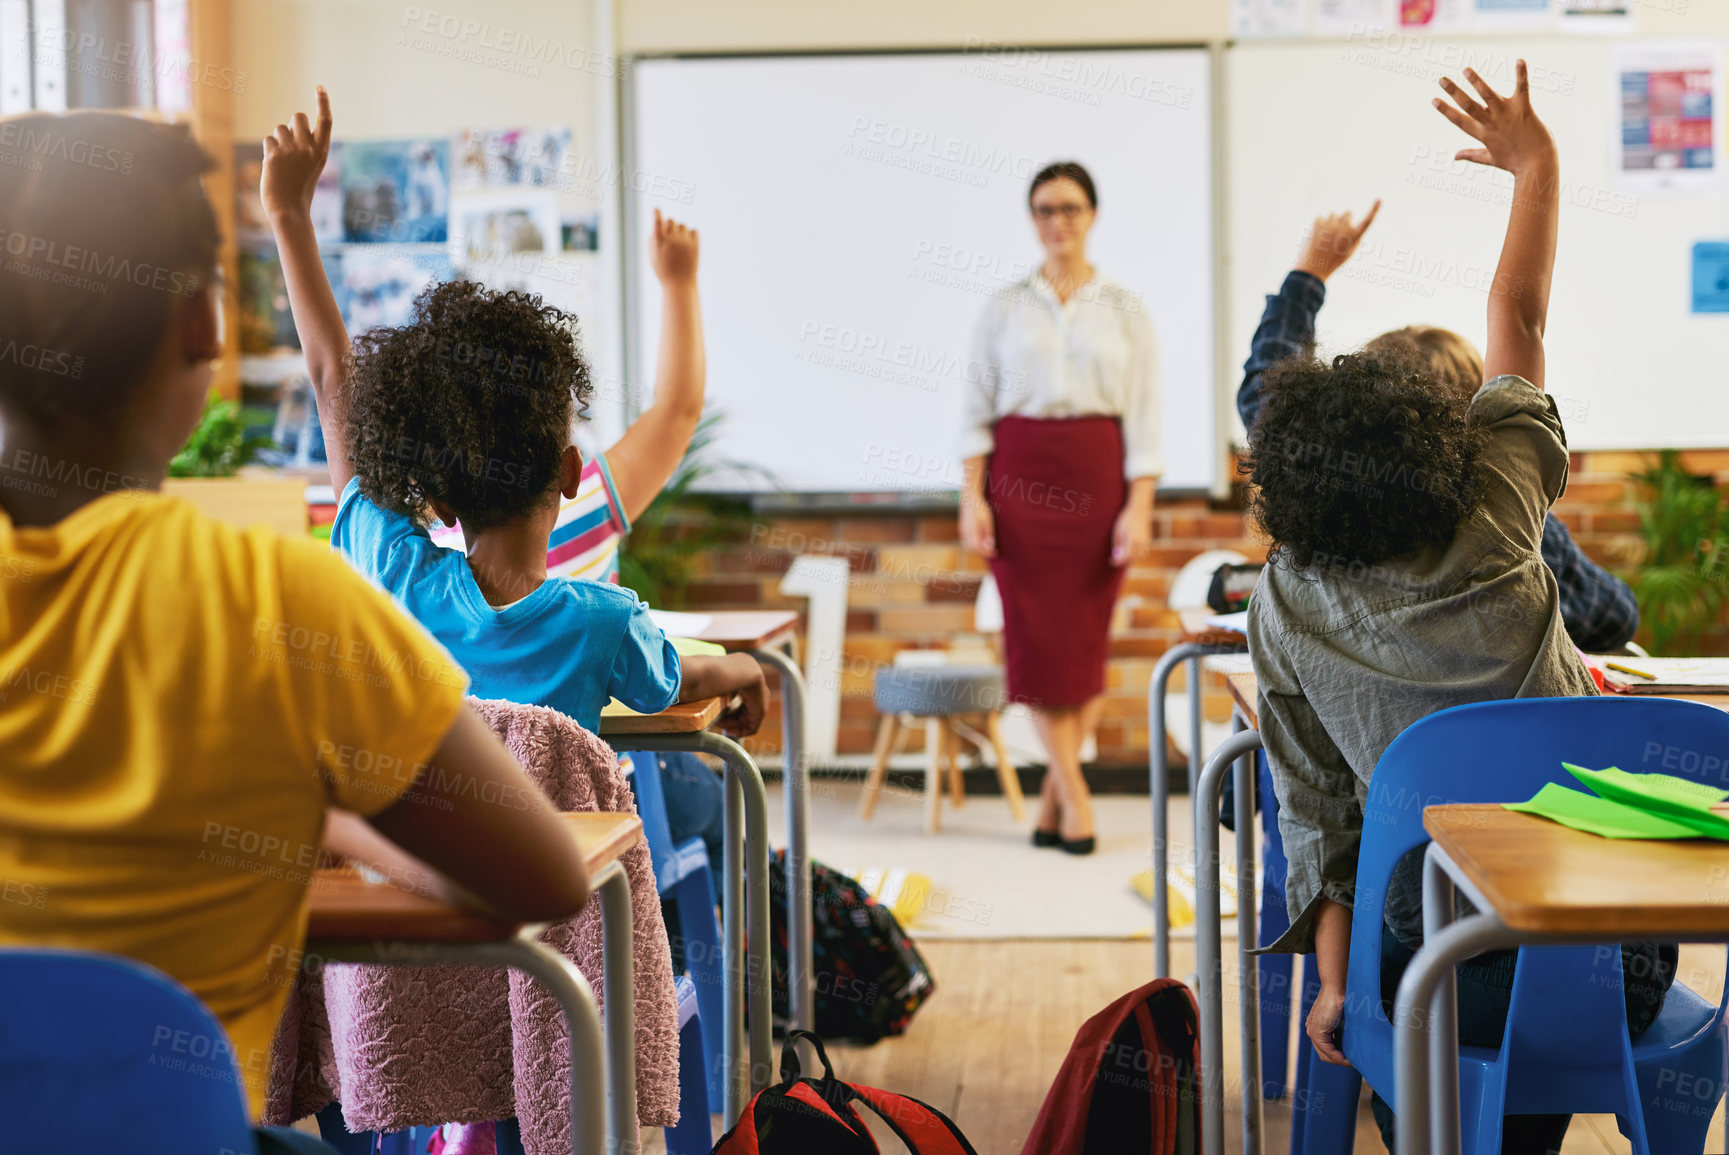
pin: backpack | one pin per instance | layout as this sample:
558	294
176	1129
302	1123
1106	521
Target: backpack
870	978
801	1116
1128	1084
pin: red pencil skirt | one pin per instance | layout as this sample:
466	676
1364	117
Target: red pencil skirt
1055	486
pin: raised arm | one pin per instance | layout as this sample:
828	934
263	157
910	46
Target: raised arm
293	158
1288	323
650	450
1513	139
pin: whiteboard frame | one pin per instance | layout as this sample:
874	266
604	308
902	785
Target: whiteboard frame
636	356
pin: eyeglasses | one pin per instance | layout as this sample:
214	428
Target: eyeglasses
1068	212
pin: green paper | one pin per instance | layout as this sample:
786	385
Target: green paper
1600	816
1674	798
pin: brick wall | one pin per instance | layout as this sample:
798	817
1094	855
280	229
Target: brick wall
912	586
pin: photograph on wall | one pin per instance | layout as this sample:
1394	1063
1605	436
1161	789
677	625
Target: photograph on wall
500	157
396	191
494	226
379	284
1666	139
250	224
581	234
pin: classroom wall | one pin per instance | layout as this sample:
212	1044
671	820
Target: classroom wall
803	25
397	70
390	77
660	26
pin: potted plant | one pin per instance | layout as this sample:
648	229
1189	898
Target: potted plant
1683	581
206	472
659	557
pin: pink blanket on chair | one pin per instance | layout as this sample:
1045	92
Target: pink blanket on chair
410	1046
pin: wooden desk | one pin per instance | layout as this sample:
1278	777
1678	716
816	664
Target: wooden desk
768	636
353	920
345	907
744	887
1196	631
1544	878
684	718
1244	693
737	631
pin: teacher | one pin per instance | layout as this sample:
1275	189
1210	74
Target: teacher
1062	455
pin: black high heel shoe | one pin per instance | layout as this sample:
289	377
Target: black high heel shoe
1079	846
1046	837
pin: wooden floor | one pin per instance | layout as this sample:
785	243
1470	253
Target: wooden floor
986	1046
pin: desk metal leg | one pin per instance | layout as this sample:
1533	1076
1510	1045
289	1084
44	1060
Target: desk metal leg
1159	787
618	949
589	1122
1209	993
801	979
1248	974
746	897
1424	1022
1443	1010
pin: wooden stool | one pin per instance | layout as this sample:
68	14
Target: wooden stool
945	698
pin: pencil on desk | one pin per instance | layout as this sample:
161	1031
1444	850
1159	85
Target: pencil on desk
1630	670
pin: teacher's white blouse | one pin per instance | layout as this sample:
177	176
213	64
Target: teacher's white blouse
1034	356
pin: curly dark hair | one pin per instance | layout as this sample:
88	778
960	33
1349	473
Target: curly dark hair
470	404
1367	459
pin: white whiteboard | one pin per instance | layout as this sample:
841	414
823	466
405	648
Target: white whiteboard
1324	128
857	211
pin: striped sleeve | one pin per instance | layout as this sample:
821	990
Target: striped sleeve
590	526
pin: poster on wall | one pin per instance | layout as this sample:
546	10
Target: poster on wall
1711	277
250	225
378	284
1345	17
1435	15
396	191
1666	140
1514	15
494	157
1267	18
1608	17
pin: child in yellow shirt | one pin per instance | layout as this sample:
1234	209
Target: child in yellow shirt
181	702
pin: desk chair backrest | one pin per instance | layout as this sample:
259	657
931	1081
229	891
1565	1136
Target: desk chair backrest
99	1053
1505	752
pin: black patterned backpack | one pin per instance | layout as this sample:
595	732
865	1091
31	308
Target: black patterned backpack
870	978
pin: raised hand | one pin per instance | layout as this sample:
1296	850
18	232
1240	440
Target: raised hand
675	250
293	159
1512	136
1331	240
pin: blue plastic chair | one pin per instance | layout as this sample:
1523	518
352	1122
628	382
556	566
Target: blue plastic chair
1566	1047
99	1053
682	874
694	1133
1323	1097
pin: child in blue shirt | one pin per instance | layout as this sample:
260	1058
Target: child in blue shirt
465	413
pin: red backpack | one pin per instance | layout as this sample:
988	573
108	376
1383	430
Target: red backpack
1128	1083
800	1116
